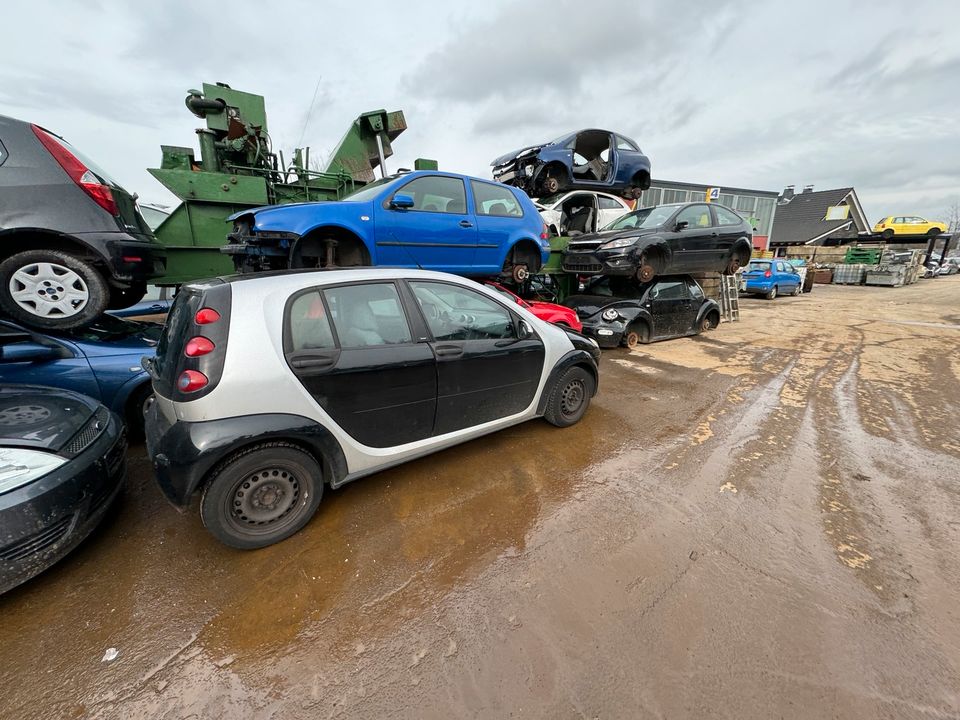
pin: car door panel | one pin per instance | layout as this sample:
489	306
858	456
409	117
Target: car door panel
66	366
671	308
379	386
481	377
438	233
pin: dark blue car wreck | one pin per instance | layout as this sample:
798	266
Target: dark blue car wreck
587	159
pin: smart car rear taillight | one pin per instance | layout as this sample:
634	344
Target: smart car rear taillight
85	178
198	346
205	316
191	381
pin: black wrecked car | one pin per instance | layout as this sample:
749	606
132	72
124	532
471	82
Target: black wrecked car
666	239
72	241
587	160
62	463
620	311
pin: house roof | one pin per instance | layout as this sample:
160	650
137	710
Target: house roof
802	219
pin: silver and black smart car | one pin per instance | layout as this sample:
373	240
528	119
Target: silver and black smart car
269	387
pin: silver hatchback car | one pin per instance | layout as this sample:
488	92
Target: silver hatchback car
270	386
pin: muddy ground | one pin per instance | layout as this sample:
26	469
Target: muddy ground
761	522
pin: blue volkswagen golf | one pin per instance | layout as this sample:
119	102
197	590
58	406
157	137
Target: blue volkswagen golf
425	219
101	360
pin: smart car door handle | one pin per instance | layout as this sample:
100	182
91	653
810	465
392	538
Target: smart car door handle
312	361
448	350
466	224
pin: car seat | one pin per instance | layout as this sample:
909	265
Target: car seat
457	207
363	329
581	221
498	208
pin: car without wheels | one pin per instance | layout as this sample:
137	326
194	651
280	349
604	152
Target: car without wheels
586	160
270	388
665	239
425	219
72	241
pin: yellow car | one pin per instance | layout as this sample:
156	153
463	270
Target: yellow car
908	225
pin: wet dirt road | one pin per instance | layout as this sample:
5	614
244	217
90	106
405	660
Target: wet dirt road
761	522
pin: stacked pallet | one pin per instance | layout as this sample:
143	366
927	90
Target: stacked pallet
851	274
863	256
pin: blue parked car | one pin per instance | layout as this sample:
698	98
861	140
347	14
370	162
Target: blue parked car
588	160
771	278
425	219
101	360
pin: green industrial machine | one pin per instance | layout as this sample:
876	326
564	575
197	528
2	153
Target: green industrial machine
239	169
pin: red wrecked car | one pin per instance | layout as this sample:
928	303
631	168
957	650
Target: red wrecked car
556	314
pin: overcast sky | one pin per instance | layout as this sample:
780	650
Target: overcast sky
730	93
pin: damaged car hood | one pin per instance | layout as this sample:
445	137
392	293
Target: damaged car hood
530	149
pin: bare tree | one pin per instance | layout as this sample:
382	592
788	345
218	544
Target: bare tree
952	217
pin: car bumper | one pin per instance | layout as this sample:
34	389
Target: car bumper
754	286
606	334
132	260
599	263
43	521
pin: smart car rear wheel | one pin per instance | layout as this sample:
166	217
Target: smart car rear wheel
262	495
570	397
51	289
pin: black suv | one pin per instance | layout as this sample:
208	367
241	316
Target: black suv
666	239
72	241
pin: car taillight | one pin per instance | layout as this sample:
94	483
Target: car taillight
768	274
545	233
191	381
85	179
198	346
205	316
883	224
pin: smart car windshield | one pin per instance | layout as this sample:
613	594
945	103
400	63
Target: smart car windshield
644	218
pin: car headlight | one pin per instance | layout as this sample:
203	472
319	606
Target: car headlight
621	242
610	314
19	467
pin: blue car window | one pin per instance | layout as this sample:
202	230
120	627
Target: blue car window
436	193
495	200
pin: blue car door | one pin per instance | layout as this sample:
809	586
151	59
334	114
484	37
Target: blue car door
499	217
36	359
436	233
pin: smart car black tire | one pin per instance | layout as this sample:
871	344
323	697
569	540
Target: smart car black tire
87	281
262	495
772	294
569	398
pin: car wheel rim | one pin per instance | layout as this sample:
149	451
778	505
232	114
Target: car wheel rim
264	498
571	399
632	340
23	415
49	290
520	273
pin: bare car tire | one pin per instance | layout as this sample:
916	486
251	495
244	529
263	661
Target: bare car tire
52	289
887	234
570	397
262	495
932	232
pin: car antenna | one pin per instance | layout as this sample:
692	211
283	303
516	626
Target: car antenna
419	266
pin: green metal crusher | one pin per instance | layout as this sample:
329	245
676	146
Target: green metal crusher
238	168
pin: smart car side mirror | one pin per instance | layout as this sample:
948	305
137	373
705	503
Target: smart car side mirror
401	202
681	224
